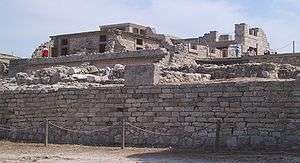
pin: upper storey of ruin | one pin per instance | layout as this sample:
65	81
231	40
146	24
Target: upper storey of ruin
129	27
132	37
246	40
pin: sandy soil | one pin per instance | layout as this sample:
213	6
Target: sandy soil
20	152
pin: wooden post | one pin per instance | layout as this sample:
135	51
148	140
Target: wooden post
217	141
123	133
46	131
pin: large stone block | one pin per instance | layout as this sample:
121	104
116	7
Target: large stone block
137	75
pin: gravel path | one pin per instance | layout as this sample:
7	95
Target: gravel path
19	152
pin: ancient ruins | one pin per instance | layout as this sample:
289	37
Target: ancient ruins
206	92
132	37
4	62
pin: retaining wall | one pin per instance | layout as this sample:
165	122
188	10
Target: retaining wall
101	60
252	114
293	59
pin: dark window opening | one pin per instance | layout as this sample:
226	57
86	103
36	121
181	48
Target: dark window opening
64	51
139	48
65	41
142	32
136	30
194	47
102	48
103	38
255	33
225	53
212	50
121	28
252	51
139	42
250	32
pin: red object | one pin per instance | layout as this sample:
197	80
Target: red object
45	53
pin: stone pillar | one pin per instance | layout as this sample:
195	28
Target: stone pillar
141	75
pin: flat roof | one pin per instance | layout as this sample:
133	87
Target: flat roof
77	33
97	32
122	25
2	55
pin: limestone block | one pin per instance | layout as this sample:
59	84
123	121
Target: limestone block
138	75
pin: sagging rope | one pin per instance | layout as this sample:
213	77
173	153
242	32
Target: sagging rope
166	134
78	131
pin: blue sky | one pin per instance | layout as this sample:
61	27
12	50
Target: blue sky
27	23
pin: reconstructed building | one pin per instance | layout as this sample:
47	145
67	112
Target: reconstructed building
5	58
246	41
115	38
110	38
132	37
4	61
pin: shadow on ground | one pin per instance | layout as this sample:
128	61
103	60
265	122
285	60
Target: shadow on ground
175	156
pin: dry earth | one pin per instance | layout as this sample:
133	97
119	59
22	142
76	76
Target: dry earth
20	152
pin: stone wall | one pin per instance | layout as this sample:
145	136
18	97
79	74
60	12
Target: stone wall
99	60
252	114
293	59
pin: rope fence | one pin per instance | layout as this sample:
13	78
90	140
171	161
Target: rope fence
126	126
78	131
166	134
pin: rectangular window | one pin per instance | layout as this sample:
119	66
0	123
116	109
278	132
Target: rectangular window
64	51
251	32
136	30
142	32
121	28
194	47
139	42
102	48
225	53
139	48
255	33
64	41
103	38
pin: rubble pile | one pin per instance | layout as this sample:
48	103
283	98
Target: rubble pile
287	71
180	77
84	73
259	70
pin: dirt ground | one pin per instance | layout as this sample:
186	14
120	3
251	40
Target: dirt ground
20	152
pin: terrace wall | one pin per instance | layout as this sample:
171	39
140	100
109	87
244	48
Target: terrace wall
252	114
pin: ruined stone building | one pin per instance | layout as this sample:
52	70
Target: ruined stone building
117	38
5	58
4	61
246	41
110	38
133	37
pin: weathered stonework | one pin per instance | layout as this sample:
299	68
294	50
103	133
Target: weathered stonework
252	114
109	39
99	60
247	41
141	75
4	62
